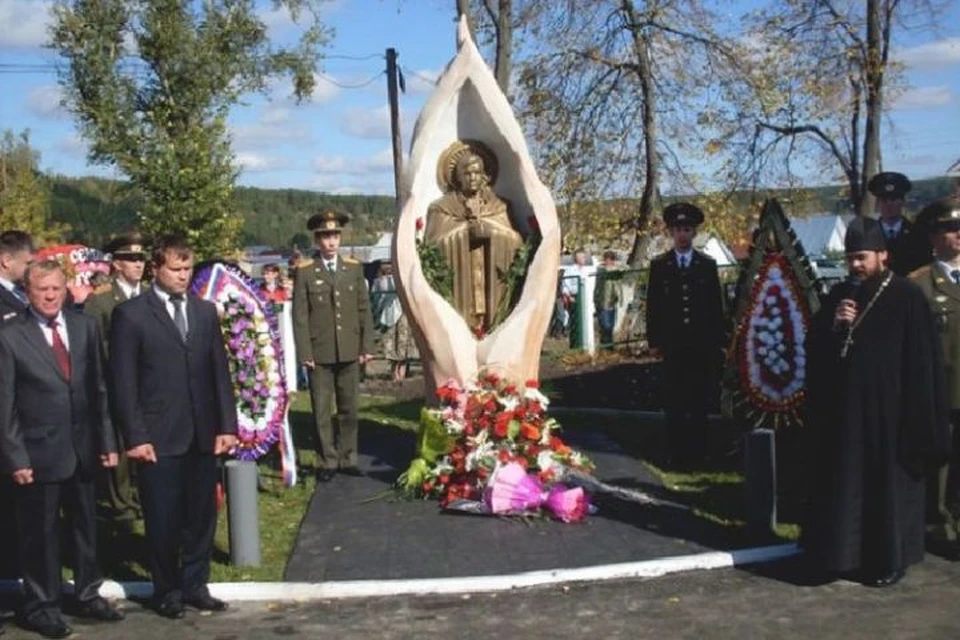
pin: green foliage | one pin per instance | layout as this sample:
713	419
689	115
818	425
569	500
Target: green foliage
436	269
515	276
24	191
151	85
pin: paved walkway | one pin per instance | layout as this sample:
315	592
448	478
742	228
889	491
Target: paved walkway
767	602
346	535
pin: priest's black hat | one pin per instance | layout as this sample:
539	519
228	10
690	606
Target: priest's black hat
864	234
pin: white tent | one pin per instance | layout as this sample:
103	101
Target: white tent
820	234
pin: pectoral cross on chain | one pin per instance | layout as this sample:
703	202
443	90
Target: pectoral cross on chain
847	342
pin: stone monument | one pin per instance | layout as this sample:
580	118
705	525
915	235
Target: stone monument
471	189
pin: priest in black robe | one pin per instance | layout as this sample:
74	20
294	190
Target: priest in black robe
877	416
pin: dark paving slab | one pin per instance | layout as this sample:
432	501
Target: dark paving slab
349	533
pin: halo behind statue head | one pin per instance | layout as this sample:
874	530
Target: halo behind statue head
447	165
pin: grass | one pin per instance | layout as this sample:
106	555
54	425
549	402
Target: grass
714	492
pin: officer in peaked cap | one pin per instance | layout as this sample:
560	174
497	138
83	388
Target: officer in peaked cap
907	249
128	256
685	327
333	332
327	221
940	282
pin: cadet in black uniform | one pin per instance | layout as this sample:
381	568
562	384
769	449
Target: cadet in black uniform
907	249
685	328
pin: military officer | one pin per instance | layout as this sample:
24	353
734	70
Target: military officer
940	282
907	248
685	327
333	331
128	258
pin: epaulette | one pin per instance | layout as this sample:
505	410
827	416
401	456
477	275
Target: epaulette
306	262
104	288
919	273
350	260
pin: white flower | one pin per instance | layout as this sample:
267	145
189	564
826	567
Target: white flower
532	393
546	461
509	403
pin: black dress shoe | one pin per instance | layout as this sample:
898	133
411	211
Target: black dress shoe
205	602
885	580
48	626
352	471
98	609
325	475
172	609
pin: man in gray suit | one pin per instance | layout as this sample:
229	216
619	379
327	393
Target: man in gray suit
55	433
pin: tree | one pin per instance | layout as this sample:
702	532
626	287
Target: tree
151	84
24	192
816	75
611	95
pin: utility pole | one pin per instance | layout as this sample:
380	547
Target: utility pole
393	97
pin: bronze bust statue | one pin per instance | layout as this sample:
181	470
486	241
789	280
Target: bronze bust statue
471	226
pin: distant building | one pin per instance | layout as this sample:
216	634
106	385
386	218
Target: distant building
821	234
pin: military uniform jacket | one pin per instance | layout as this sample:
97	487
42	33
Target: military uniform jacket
684	308
331	313
908	251
944	299
101	303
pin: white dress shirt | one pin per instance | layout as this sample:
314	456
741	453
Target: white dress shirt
129	291
892	230
169	306
48	332
684	258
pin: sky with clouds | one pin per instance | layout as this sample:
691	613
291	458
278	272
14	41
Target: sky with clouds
339	140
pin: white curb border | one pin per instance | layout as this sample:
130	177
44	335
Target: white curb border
272	591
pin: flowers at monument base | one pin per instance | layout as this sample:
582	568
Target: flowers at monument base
254	356
476	432
770	341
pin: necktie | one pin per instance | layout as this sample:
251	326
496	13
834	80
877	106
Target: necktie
955	274
179	318
330	265
60	349
683	262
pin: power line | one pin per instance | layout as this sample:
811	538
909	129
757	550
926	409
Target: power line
424	77
358	85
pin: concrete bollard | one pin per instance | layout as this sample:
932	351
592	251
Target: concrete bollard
761	481
244	518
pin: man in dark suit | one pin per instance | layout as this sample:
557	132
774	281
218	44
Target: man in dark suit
55	432
685	327
173	401
128	259
16	253
333	332
908	249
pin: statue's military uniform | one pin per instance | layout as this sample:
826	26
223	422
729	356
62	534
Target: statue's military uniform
332	327
941	286
117	488
684	319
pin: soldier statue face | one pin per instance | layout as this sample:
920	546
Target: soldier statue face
866	264
328	242
683	237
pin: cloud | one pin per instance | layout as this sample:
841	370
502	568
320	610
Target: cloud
372	123
379	163
72	145
44	101
923	98
421	81
353	185
325	89
275	125
938	53
252	162
31	18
